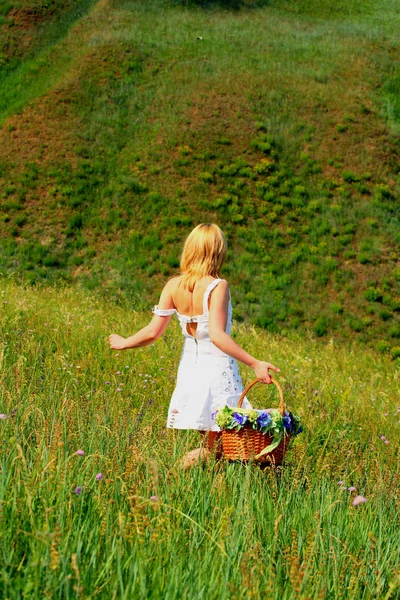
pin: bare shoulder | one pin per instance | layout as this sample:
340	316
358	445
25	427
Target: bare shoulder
172	283
221	291
223	286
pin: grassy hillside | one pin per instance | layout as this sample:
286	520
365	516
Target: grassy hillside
124	124
146	529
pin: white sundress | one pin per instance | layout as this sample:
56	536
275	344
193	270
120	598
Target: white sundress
208	379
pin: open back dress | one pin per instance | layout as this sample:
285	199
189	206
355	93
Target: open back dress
208	379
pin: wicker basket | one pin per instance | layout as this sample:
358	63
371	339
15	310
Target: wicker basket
246	444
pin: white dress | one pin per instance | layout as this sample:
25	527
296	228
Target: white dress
207	379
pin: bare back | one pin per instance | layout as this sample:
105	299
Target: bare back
188	302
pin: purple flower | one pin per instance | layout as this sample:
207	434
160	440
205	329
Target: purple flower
108	382
213	415
119	390
99	476
359	500
340	482
239	418
351	488
264	419
3	416
80	452
78	490
154	498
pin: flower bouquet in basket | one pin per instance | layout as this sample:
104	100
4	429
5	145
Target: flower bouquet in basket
261	435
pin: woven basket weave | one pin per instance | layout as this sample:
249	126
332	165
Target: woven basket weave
247	443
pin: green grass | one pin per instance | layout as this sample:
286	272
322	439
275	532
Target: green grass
149	117
225	530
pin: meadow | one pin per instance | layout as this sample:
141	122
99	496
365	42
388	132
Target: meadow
123	124
121	519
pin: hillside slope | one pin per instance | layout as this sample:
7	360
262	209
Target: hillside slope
132	123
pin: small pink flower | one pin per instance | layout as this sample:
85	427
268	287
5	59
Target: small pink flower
78	490
80	452
154	498
3	416
119	390
340	482
386	441
351	489
99	476
359	500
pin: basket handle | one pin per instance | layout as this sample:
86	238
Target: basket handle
275	382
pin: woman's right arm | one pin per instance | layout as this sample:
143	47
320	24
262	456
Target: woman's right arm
152	331
218	314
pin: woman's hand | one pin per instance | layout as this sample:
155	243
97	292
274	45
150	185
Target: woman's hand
117	342
261	369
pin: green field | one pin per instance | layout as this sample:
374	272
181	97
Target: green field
220	531
124	124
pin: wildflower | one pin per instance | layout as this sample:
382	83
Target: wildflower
108	382
287	422
118	373
351	488
213	414
119	390
78	490
99	476
340	482
80	452
154	498
359	500
264	419
3	416
239	419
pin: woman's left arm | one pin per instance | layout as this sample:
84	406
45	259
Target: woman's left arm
152	331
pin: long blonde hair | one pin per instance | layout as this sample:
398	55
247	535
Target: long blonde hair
203	254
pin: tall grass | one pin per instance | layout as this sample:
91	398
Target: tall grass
148	529
133	122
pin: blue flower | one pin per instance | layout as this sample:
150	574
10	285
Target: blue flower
214	414
264	419
239	419
287	422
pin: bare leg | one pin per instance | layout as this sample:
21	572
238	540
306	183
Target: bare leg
211	443
212	440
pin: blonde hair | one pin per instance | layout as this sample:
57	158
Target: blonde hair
203	254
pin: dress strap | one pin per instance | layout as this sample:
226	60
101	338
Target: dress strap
163	313
207	293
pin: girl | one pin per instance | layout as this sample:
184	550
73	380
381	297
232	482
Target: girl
208	376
